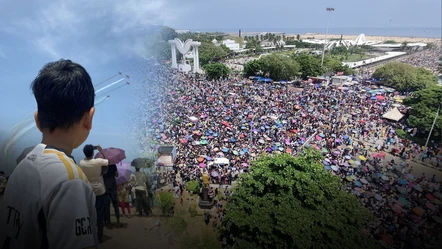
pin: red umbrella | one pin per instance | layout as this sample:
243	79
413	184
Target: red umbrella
430	197
114	155
380	97
387	239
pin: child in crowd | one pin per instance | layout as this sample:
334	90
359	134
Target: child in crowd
123	198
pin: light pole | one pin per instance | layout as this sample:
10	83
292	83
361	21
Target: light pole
329	10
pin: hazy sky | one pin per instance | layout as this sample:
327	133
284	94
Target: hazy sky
109	36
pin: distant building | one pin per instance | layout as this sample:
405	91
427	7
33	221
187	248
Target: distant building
359	41
231	44
182	31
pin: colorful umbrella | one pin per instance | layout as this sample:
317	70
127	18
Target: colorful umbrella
418	187
124	172
419	211
114	155
431	206
430	197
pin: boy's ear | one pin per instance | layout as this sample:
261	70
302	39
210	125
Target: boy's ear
37	122
87	119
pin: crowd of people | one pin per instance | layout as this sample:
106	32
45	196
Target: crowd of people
239	120
429	59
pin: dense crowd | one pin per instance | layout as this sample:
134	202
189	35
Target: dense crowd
429	59
239	120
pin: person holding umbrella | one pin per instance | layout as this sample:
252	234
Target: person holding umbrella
94	169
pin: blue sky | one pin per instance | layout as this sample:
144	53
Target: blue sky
109	36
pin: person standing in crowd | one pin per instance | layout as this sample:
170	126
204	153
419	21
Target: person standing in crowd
47	193
94	170
139	182
123	198
111	195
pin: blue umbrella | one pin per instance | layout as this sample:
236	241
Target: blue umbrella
345	137
227	118
402	182
215	134
208	158
327	167
321	135
267	127
225	150
232	140
326	163
242	153
358	183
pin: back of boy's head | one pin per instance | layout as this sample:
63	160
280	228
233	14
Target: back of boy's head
64	93
88	150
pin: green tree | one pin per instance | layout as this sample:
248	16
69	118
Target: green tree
424	104
279	67
298	37
226	49
310	65
254	44
404	77
193	186
252	68
339	51
334	65
292	202
216	70
167	203
208	52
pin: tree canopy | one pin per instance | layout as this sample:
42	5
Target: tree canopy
278	67
424	104
310	65
209	52
216	70
404	77
292	202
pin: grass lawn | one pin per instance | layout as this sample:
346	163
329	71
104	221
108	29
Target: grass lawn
355	57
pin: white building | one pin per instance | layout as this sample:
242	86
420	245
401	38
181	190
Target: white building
231	44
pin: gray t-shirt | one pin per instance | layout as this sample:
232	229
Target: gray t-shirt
48	203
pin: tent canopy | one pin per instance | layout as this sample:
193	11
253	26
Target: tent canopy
393	114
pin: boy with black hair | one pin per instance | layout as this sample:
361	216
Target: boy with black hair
48	202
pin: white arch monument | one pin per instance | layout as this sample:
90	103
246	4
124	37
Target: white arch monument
184	48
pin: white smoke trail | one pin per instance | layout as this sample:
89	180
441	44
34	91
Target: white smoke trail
111	84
